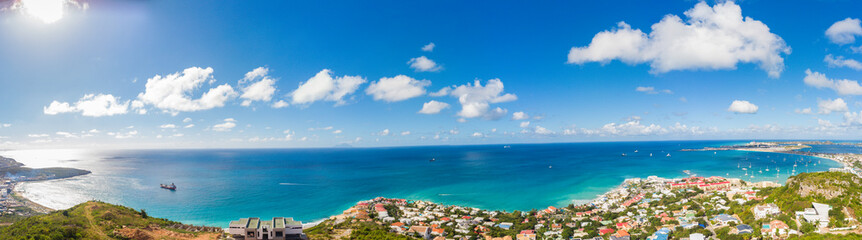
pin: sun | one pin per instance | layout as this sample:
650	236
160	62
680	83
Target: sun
48	11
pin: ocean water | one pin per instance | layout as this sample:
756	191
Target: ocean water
216	186
834	149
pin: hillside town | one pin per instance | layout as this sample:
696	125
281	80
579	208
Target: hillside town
653	208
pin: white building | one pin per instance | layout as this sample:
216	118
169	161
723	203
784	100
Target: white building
819	214
278	228
765	210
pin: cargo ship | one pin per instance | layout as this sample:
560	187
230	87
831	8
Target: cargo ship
171	187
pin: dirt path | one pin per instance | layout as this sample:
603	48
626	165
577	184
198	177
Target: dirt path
94	227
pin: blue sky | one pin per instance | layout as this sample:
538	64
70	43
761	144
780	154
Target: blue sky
153	74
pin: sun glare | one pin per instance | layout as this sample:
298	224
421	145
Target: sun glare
48	11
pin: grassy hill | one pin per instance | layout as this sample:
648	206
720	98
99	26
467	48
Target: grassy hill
98	220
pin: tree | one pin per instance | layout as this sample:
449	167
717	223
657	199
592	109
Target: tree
144	213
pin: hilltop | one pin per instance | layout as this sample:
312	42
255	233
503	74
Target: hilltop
98	220
843	191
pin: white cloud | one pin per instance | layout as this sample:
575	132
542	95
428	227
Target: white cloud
433	107
187	120
37	135
129	134
189	126
67	134
829	106
90	105
844	31
227	125
397	88
405	133
652	90
543	131
853	118
423	64
173	93
804	111
5	125
842	62
337	131
280	104
717	37
475	99
324	87
428	47
262	90
385	132
520	116
842	86
168	126
524	124
478	134
742	106
442	92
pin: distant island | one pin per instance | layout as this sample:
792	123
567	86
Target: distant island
15	171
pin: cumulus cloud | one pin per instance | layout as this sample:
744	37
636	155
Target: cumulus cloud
423	64
173	93
475	99
397	88
385	132
405	133
717	37
853	118
844	31
842	62
324	87
841	86
442	92
742	106
428	47
258	86
187	120
168	126
433	107
90	105
227	125
478	134
519	116
633	127
829	106
524	124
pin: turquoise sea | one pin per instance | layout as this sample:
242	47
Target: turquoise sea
219	185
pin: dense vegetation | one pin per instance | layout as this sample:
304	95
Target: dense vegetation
839	190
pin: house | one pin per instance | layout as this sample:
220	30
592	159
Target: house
624	226
606	231
725	219
506	225
765	210
743	229
775	228
818	214
438	231
526	235
279	228
421	231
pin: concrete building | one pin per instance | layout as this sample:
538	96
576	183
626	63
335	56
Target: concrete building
278	228
818	214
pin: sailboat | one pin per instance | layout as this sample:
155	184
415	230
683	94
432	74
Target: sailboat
650	154
636	150
767	168
668	155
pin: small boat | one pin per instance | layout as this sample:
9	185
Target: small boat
171	187
432	159
650	154
636	150
623	154
549	166
507	146
668	155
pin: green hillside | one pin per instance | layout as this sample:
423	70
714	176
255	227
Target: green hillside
98	220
